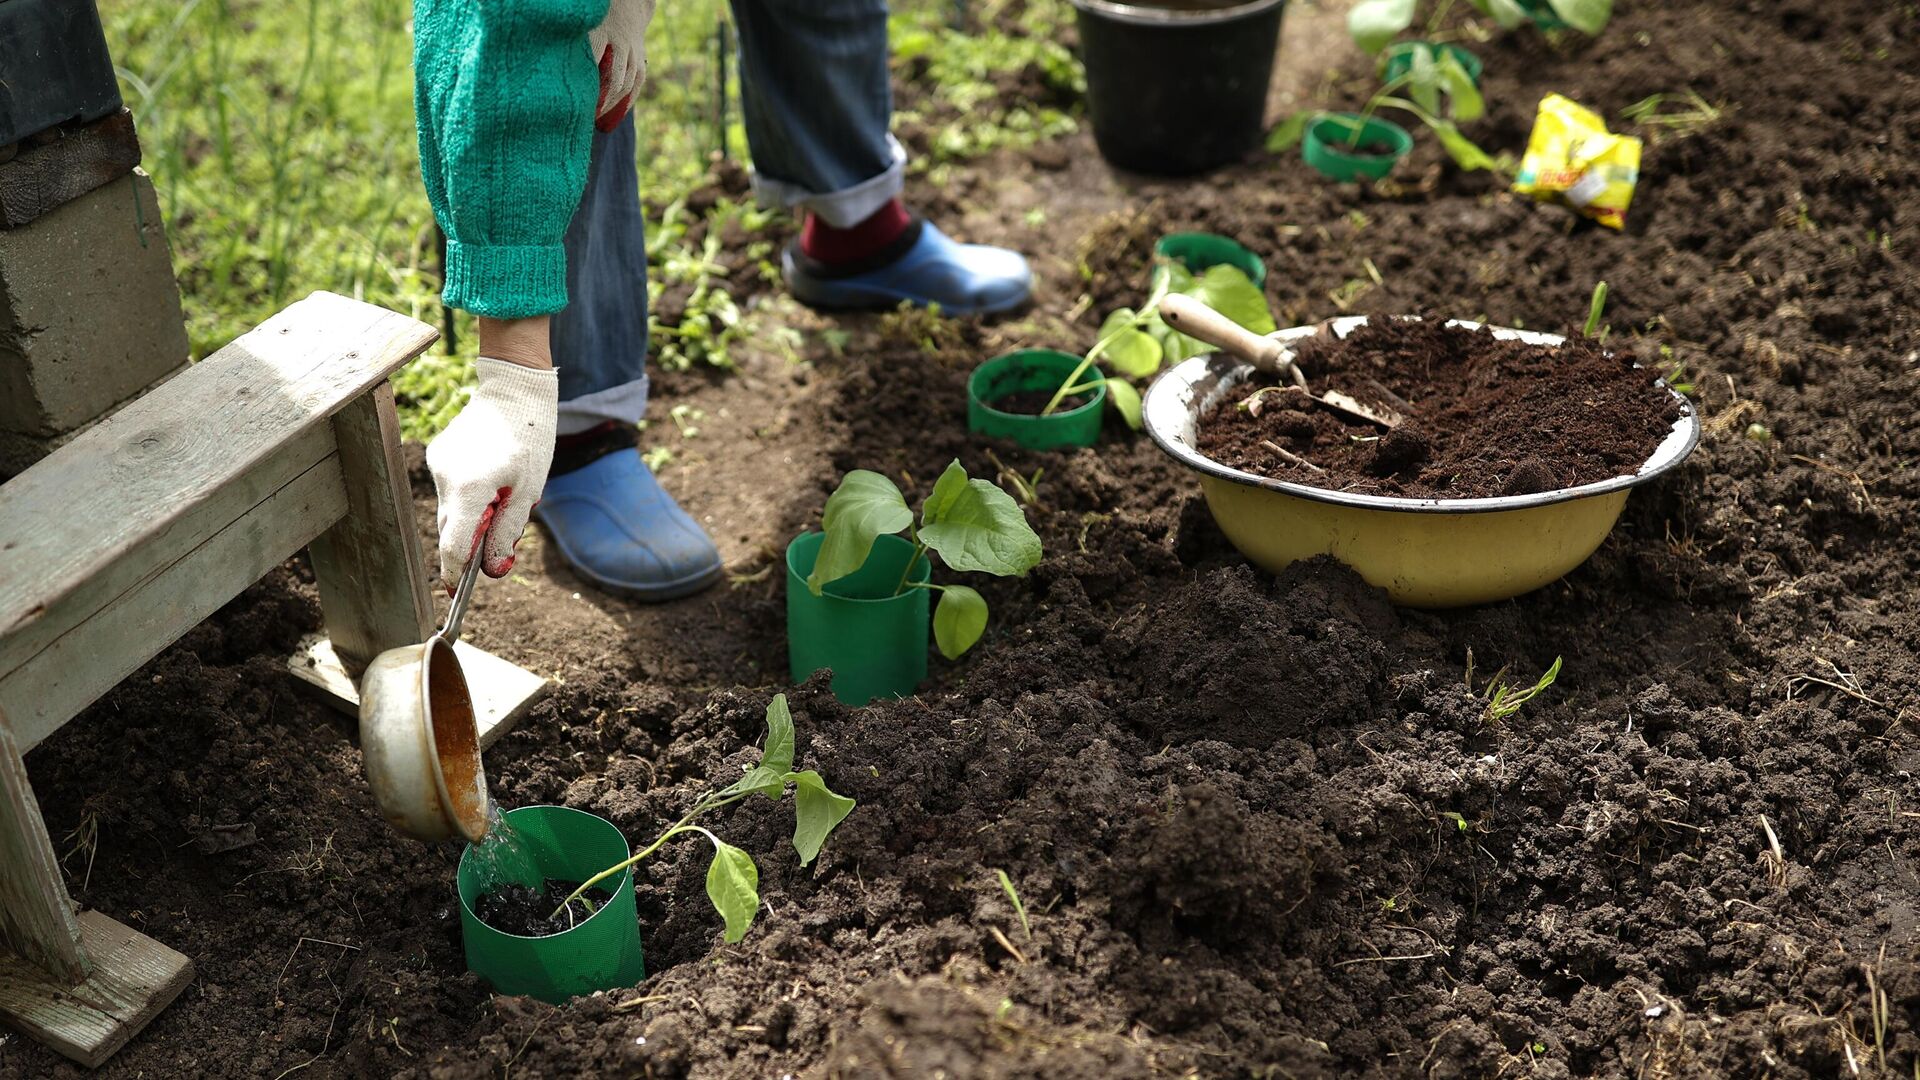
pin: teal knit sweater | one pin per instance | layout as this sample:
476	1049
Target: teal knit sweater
504	93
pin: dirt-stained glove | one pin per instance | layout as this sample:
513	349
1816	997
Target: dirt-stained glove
495	452
619	46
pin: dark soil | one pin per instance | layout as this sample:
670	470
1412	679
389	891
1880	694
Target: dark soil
1259	823
529	912
1487	416
1034	402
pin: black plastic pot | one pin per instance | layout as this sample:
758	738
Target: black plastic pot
1175	92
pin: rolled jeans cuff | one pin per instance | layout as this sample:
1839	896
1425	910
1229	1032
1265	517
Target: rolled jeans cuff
844	208
625	403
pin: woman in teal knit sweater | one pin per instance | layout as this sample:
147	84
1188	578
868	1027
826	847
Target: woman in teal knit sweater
529	161
506	96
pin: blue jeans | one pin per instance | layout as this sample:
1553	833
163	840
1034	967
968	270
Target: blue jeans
817	103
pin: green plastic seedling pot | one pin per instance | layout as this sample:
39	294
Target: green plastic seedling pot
874	641
1325	146
601	953
1040	370
1399	59
1197	251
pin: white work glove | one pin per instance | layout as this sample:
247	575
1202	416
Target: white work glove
496	451
619	46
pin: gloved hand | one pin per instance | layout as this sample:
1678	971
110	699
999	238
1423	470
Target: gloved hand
495	452
619	46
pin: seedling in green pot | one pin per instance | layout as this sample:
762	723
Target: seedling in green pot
971	524
733	881
1464	151
1137	343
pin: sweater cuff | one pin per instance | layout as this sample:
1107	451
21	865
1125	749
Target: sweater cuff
505	282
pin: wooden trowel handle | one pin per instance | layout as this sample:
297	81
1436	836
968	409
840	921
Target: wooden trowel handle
1197	320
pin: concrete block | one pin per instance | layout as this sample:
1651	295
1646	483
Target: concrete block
89	312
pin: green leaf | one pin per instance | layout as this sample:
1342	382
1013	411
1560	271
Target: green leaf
1504	12
1133	353
1507	13
959	620
733	884
984	529
1462	149
1126	401
1464	102
1424	77
866	506
945	490
1229	291
1287	133
1586	16
777	755
1373	23
815	813
759	778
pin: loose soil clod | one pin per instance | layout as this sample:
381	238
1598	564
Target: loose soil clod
1484	406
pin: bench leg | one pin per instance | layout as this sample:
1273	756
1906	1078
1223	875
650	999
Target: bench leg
373	581
83	986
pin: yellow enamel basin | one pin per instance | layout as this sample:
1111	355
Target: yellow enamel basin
1427	553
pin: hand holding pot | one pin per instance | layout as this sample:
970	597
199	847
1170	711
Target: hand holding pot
495	455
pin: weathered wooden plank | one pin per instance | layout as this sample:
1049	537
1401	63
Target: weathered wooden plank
36	917
373	581
89	659
133	978
72	516
502	690
165	546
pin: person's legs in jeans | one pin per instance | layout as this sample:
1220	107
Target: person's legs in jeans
606	514
818	104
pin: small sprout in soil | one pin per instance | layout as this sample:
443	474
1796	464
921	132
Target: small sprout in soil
1503	700
1676	379
1759	433
733	881
1596	307
1026	489
970	524
1459	821
1694	113
1013	895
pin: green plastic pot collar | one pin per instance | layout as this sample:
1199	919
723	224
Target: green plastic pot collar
1328	145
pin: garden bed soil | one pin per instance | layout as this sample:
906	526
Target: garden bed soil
1483	416
528	912
1259	824
1034	402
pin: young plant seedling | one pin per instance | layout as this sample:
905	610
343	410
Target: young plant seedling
733	881
1374	23
1504	700
1595	308
1137	343
971	524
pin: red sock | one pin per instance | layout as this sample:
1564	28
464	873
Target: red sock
819	240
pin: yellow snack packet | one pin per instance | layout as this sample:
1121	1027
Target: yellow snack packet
1572	159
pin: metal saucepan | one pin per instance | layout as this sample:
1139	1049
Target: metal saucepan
418	734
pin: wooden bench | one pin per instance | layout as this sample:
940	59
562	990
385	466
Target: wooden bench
121	541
